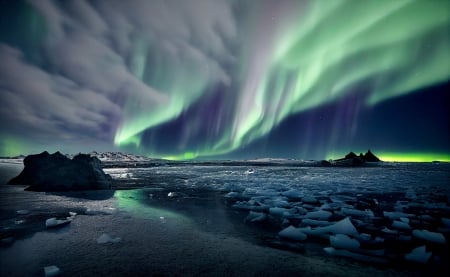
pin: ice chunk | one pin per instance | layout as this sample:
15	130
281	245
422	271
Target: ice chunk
344	242
357	213
53	222
404	219
51	270
400	225
389	231
344	226
22	212
419	255
105	238
293	194
313	222
310	200
396	215
429	236
426	217
292	233
282	212
356	256
324	215
446	221
255	217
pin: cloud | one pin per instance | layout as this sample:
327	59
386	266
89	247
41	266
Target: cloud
109	63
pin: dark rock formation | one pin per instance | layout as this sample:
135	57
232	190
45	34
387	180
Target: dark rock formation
370	157
351	159
56	172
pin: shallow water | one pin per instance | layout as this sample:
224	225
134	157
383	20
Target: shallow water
176	220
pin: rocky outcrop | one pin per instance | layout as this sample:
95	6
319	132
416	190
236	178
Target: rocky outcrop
351	159
56	172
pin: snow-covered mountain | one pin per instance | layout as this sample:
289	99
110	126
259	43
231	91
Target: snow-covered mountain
116	157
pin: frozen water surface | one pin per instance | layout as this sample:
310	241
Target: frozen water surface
175	212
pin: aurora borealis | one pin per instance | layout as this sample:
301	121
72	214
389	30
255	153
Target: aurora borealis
226	79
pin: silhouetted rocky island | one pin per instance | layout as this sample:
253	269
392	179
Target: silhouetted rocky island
351	159
56	172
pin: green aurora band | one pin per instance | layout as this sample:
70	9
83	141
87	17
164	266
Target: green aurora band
313	56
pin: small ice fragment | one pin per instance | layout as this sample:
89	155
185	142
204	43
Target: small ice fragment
249	171
426	217
419	255
356	256
105	238
404	219
365	237
345	226
344	242
51	270
280	211
292	233
256	217
72	213
400	225
395	215
314	222
172	194
429	236
324	215
53	222
310	200
446	221
389	231
357	213
23	212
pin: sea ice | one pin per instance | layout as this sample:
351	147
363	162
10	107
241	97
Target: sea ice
344	226
396	215
446	221
53	222
344	242
389	231
255	217
23	212
419	255
429	236
105	238
51	270
282	212
314	222
356	256
324	215
400	225
310	200
357	213
292	233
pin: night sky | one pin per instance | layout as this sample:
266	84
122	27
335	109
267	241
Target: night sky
209	79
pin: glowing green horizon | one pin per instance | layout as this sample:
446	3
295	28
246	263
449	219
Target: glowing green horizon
414	157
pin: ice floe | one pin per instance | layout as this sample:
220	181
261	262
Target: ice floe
51	270
324	215
23	212
256	217
356	256
429	236
292	233
419	255
53	222
106	238
344	242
